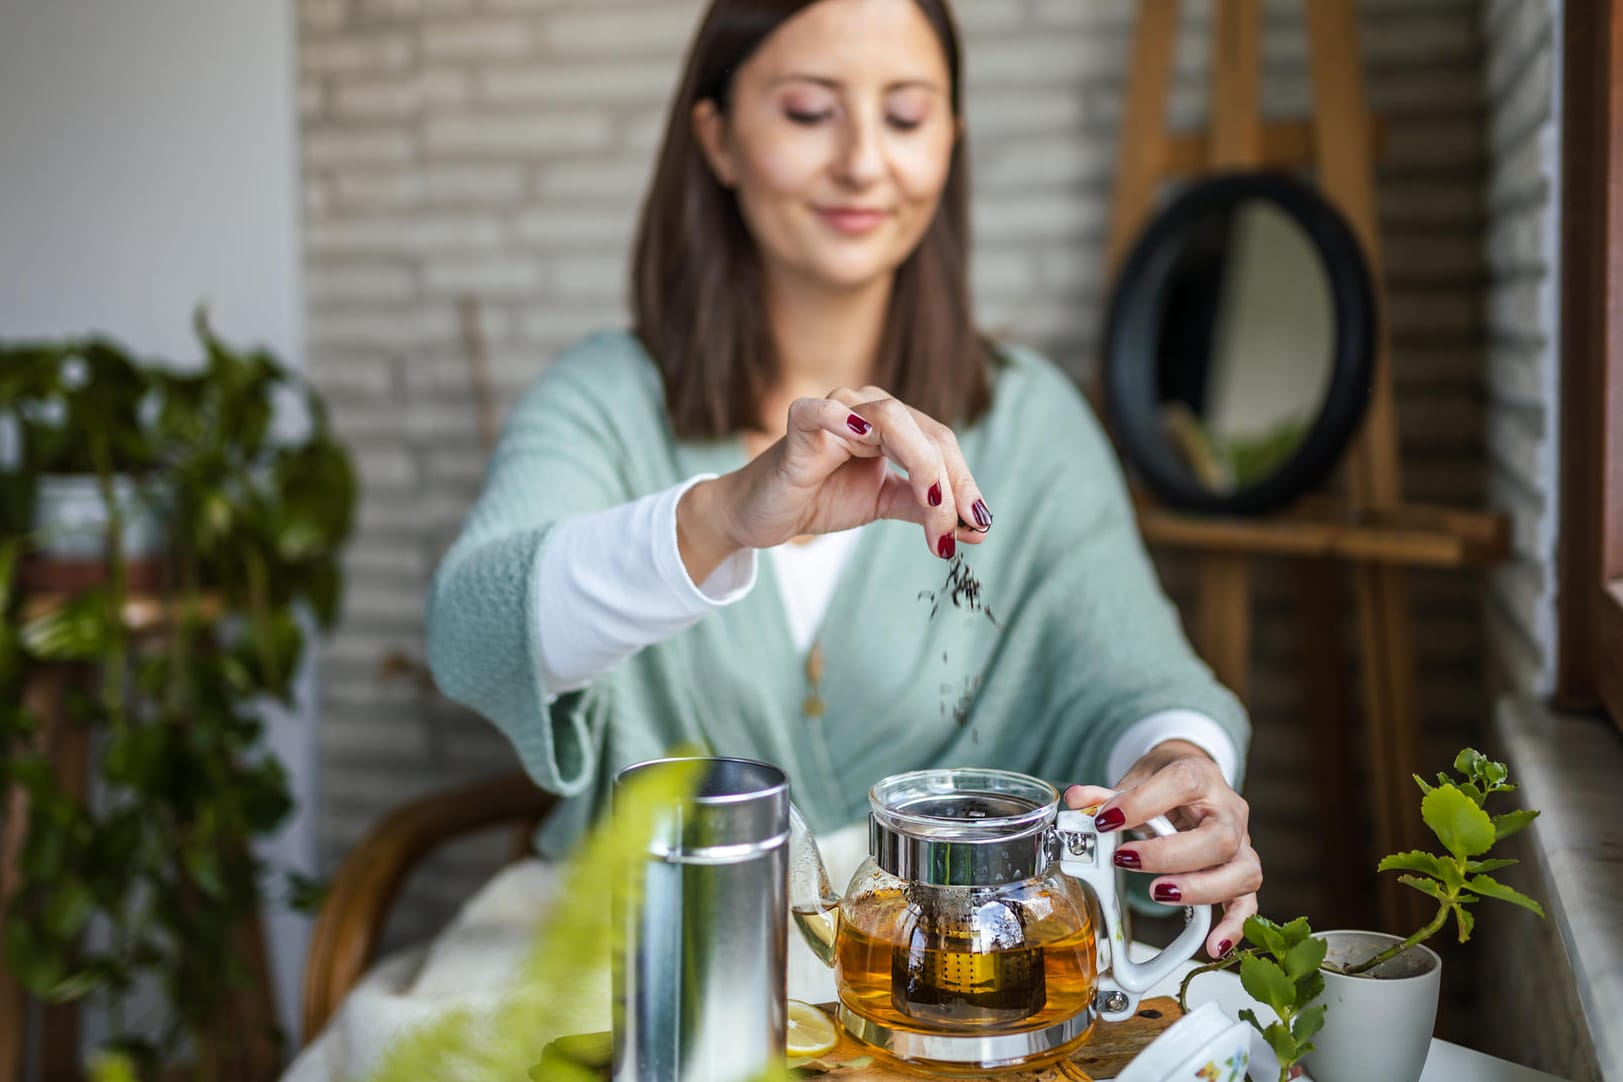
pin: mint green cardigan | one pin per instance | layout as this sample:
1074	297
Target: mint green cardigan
1088	644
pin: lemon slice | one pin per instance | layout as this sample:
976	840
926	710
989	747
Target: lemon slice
811	1032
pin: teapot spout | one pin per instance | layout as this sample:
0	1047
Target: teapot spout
815	906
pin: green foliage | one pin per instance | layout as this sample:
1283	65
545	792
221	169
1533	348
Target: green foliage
253	526
1280	970
1283	967
575	938
1455	880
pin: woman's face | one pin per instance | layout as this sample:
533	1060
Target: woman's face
837	140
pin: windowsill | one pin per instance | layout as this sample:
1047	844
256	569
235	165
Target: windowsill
1571	768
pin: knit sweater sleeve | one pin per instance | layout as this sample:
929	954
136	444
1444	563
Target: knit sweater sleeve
1110	643
560	456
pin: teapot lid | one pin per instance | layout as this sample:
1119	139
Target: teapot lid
961	826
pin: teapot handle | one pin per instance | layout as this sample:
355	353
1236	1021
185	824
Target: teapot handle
1089	855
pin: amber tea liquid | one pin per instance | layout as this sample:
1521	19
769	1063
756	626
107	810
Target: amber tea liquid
913	979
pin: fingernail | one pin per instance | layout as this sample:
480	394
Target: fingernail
1126	858
858	425
946	546
983	516
935	494
1224	947
1166	892
1109	819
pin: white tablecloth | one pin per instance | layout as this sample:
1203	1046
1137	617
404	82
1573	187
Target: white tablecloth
476	956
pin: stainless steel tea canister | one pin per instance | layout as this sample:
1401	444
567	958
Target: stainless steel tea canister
699	988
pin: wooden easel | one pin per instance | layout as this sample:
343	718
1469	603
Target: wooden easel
1372	529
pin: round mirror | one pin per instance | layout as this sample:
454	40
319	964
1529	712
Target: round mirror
1240	345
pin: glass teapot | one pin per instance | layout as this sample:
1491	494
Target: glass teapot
968	941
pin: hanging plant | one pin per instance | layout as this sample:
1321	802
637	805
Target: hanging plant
255	496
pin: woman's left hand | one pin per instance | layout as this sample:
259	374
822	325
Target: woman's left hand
1209	860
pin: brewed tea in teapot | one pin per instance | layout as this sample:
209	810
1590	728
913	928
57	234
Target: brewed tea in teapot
968	941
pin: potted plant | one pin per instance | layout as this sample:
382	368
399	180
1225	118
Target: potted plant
253	516
1379	992
72	447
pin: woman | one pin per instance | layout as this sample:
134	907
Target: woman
806	230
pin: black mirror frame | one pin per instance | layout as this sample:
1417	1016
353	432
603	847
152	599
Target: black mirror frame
1132	397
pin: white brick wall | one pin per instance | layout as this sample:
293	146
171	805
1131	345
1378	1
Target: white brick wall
1521	80
502	147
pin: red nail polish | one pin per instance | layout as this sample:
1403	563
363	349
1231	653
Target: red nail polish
983	516
1224	947
1126	858
1166	892
935	494
946	546
858	425
1109	819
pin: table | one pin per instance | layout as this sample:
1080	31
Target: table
472	960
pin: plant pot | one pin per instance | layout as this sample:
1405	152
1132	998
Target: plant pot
70	523
71	518
1378	1025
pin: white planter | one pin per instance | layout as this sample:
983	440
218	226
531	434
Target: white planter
1377	1026
70	518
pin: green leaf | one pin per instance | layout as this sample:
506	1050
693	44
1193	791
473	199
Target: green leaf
1295	932
1488	865
586	1049
324	587
1489	887
1414	860
38	963
1309	986
204	866
112	1067
1309	1022
1280	1040
68	909
1418	780
554	1067
1266	934
1464	828
11	550
75	986
1468	762
1465	921
1248	1015
1304	958
1512	822
1425	886
305	894
76	630
1266	982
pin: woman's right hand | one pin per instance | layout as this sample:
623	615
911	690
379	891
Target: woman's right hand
831	472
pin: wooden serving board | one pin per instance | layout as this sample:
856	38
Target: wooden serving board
1112	1046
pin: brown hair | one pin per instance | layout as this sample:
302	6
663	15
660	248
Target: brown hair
697	292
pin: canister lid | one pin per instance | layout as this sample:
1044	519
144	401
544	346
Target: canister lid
739	810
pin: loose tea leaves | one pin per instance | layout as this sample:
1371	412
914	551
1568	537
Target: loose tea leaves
962	590
965	699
